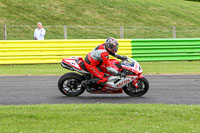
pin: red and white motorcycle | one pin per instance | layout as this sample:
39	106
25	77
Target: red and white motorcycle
134	84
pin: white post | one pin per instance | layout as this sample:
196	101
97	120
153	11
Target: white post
65	31
4	32
174	31
121	31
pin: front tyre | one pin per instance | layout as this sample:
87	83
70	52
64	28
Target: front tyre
70	84
143	87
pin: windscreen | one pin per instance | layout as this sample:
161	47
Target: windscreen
129	64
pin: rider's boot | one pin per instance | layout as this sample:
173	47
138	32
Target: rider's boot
88	83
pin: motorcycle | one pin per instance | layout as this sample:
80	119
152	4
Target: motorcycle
134	84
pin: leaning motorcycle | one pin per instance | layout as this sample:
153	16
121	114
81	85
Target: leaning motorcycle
134	84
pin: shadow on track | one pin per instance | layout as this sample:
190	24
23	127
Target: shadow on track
102	99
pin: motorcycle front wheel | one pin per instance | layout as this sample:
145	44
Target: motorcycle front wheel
143	87
70	84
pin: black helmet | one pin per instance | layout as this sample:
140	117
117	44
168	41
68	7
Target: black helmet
111	45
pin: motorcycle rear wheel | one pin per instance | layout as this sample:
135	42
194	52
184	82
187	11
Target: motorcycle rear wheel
70	84
143	87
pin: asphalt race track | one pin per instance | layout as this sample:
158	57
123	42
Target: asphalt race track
169	89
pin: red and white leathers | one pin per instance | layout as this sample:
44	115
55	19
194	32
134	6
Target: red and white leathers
95	59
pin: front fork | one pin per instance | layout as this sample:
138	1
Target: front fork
135	82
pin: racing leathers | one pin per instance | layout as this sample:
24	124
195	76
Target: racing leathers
94	60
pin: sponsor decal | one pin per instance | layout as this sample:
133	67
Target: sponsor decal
123	83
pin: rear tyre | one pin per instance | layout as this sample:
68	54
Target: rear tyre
143	87
70	84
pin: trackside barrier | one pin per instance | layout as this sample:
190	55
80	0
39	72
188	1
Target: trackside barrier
166	49
52	51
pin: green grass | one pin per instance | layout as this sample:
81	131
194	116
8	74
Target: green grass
100	118
171	67
102	13
167	67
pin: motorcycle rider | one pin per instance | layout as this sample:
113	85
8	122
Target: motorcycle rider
99	56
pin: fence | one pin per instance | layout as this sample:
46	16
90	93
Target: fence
30	52
25	32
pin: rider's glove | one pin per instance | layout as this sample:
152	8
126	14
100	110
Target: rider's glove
122	74
123	58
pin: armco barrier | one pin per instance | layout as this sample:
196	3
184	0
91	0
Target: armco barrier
52	51
166	49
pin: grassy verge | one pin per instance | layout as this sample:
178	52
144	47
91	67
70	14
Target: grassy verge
161	13
90	118
170	67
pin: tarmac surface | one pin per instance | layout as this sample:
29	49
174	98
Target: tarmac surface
167	89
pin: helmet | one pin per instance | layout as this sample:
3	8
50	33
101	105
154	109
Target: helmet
111	45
